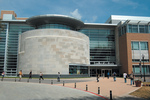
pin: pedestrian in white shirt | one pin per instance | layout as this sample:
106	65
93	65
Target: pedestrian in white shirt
125	77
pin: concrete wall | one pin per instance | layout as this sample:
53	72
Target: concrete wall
51	50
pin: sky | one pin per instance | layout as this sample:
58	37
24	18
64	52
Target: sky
88	11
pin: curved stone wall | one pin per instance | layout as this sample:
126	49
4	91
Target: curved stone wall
52	50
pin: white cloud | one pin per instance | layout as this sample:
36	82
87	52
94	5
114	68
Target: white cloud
94	18
76	14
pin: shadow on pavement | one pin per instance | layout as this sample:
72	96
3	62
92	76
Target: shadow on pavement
72	98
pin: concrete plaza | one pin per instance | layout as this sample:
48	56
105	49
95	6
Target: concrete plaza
32	90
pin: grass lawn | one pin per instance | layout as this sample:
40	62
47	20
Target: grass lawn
143	92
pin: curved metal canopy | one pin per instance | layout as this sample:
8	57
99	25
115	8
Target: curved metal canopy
54	19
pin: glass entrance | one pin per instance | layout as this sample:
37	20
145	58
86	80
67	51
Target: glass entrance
105	71
94	71
101	72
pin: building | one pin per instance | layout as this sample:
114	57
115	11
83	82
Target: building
58	43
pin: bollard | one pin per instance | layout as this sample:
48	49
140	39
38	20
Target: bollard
75	85
15	79
86	87
98	90
52	82
63	83
110	95
39	81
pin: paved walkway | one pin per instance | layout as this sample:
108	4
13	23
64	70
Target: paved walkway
120	90
32	91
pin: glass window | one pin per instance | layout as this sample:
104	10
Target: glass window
75	69
136	69
55	26
102	45
143	29
134	29
135	45
144	45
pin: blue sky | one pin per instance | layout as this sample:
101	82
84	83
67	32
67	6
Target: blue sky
89	11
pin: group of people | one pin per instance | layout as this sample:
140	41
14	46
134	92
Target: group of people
21	74
130	76
108	74
41	75
125	76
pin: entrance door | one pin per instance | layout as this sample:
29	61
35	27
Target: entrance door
92	72
95	71
105	71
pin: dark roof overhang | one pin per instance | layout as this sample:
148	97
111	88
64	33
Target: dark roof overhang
54	19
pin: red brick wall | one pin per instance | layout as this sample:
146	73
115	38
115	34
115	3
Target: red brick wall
11	12
126	52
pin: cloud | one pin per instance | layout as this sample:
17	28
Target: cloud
94	18
76	14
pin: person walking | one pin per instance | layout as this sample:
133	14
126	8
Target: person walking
41	76
3	74
132	77
58	78
20	75
114	76
108	75
97	77
125	77
30	75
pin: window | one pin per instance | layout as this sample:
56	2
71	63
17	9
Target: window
142	70
74	69
135	45
144	45
143	29
134	29
137	28
139	48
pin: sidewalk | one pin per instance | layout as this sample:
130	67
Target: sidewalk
34	91
119	88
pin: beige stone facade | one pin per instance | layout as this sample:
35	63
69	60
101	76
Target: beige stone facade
52	50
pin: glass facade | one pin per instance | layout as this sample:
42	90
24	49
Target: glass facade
102	45
75	69
133	28
139	47
54	26
12	47
137	69
3	33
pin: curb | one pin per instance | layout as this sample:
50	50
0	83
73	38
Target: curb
85	91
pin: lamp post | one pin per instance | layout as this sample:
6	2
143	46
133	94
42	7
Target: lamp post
143	66
140	68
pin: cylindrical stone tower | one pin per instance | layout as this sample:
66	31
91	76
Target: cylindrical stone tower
52	50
